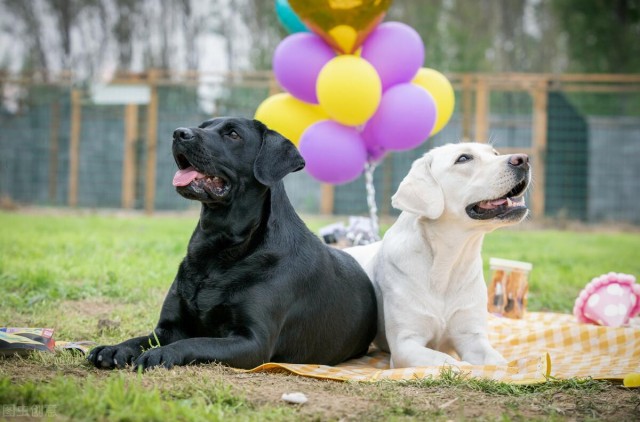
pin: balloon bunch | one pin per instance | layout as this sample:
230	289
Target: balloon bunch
355	88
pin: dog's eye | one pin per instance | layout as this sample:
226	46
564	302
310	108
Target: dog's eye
464	158
233	135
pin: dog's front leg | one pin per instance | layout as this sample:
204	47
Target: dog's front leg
476	349
236	351
408	335
119	355
169	329
411	352
471	342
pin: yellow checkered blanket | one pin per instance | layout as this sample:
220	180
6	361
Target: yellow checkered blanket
538	346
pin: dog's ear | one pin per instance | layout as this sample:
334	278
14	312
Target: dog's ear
419	192
277	158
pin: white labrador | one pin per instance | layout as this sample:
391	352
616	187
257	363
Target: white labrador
427	271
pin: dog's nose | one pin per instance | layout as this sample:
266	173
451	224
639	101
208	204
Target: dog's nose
183	133
519	160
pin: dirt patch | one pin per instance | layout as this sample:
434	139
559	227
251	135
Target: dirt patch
366	401
89	308
328	399
331	400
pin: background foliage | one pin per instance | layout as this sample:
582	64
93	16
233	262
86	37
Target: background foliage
97	37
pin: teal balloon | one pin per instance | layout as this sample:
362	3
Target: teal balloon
288	18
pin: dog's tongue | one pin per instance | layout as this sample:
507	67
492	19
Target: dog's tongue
185	176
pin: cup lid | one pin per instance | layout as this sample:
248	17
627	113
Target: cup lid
508	264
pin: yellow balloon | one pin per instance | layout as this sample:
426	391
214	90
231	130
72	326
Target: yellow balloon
349	89
440	88
288	115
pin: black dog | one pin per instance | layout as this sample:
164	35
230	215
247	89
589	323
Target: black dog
256	285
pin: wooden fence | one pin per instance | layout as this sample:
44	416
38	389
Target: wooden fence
474	107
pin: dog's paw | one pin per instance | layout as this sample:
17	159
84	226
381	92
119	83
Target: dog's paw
486	356
109	357
159	356
495	360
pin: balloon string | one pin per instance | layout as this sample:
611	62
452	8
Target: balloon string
371	197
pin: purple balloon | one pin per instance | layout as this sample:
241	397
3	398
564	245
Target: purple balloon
375	151
405	118
334	153
396	51
297	62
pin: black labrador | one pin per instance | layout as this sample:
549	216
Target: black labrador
256	284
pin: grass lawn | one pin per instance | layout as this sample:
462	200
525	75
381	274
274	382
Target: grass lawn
103	278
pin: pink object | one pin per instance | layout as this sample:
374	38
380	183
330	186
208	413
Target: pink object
186	176
611	299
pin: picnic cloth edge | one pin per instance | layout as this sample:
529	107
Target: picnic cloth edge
540	346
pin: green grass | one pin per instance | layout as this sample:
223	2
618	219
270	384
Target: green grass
563	261
45	258
77	257
67	272
459	379
132	397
